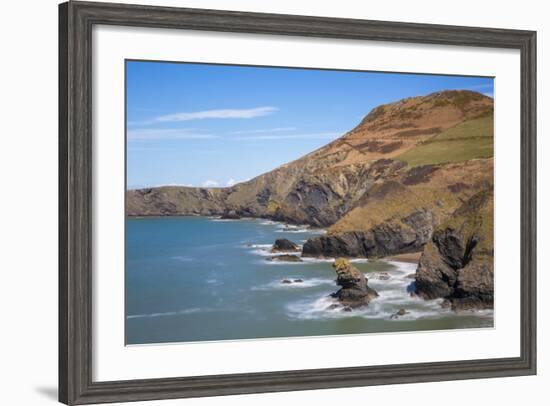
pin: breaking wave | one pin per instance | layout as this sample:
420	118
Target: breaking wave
393	295
165	314
306	283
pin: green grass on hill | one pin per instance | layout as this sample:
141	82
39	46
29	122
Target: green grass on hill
465	141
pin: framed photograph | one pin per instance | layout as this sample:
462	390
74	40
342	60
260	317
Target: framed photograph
259	202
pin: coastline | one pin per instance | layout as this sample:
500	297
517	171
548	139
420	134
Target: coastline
297	297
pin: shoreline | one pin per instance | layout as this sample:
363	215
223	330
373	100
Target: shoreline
410	257
286	224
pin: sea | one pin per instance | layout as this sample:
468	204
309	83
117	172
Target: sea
192	279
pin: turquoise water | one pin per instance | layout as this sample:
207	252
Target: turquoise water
198	279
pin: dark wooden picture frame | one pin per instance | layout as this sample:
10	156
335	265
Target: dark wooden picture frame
76	20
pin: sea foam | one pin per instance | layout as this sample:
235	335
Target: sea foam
165	314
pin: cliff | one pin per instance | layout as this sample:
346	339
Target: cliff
457	262
380	189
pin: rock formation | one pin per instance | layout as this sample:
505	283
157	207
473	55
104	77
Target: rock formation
457	263
284	245
354	291
289	281
408	234
285	258
399	313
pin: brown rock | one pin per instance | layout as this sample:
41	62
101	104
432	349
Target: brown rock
399	313
283	245
354	292
457	264
285	258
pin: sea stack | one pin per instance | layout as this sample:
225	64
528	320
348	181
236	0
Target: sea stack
354	291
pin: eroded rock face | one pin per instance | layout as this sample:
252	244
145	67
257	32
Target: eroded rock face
457	264
408	234
230	215
354	291
282	245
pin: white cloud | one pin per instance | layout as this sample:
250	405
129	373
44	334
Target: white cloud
175	184
322	136
210	183
166	133
149	185
265	130
223	113
231	182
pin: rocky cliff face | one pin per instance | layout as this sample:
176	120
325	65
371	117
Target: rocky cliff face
380	189
457	263
407	234
173	200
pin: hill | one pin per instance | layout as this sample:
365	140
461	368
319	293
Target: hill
380	189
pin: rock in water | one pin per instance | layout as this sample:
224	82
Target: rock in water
457	264
285	258
355	291
399	313
282	245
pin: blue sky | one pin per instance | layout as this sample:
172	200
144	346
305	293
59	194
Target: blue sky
214	125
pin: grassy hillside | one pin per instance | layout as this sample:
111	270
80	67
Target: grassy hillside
441	189
468	140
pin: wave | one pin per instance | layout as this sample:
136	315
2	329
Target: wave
182	258
291	228
402	267
264	250
393	296
327	307
214	282
220	219
394	293
331	260
278	263
269	222
319	308
261	246
260	249
165	314
306	283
